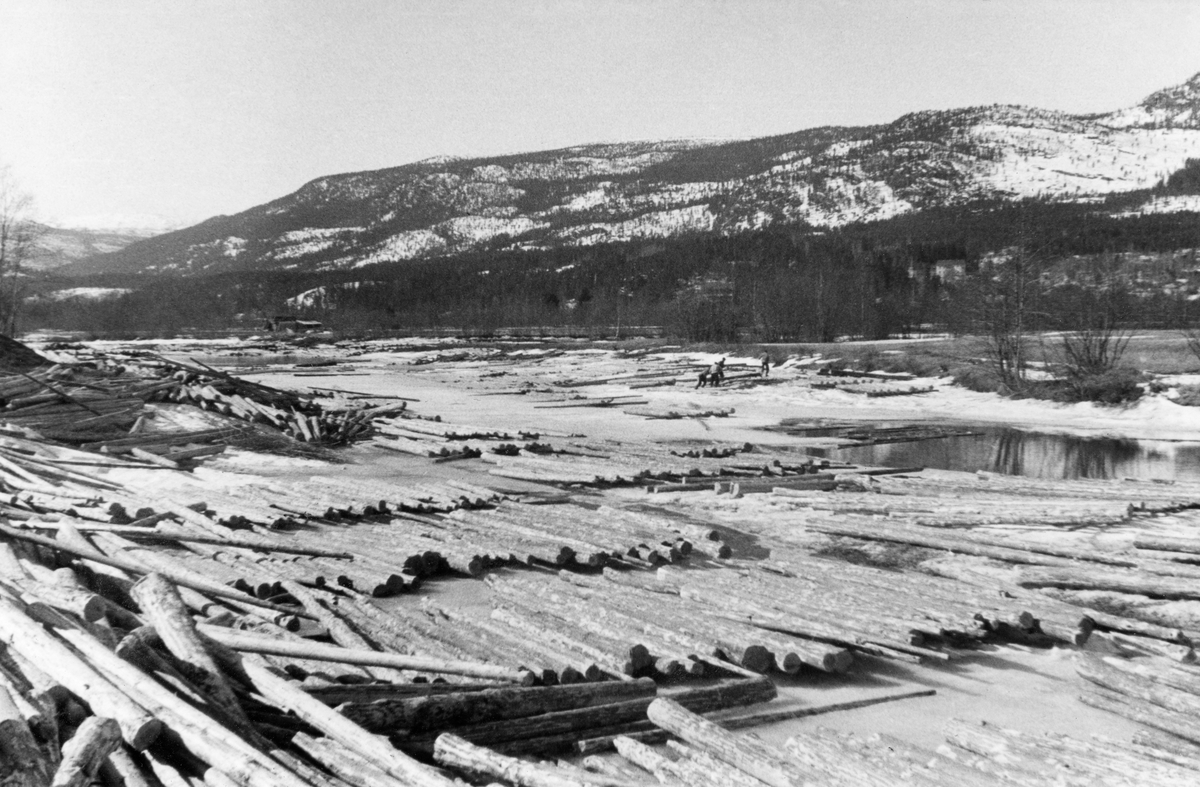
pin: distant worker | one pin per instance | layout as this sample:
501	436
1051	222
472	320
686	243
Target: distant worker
766	364
703	379
716	373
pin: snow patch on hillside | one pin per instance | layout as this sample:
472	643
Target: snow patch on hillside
659	224
1042	161
477	229
1174	203
403	246
86	293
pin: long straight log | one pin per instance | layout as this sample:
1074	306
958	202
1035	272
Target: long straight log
199	733
1142	712
561	730
1131	582
422	714
373	748
344	764
138	727
132	567
737	718
251	643
702	768
164	610
168	534
648	759
457	753
1101	673
746	754
87	749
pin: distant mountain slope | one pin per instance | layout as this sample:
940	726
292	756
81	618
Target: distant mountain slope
825	177
58	247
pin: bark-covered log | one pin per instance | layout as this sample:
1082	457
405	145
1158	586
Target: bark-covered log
440	711
87	749
560	730
373	748
746	754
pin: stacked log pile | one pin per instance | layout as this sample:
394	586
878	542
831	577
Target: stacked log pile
572	534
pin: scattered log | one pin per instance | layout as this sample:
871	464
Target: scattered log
455	752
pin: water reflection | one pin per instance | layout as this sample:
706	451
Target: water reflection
1037	455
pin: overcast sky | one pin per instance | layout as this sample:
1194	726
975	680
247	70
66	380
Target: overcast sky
190	108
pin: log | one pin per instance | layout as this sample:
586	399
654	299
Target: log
746	754
122	769
132	567
189	727
422	714
1168	544
164	610
22	763
87	749
112	583
138	727
455	752
702	768
343	763
338	629
648	759
736	718
1101	673
374	749
251	643
1142	712
1131	582
560	730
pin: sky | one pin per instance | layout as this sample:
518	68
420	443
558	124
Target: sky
139	111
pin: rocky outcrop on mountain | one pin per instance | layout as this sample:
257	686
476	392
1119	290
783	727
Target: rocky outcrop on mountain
593	194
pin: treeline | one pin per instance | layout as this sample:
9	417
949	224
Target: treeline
868	280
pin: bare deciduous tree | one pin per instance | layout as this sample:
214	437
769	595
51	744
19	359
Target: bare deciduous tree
19	235
1006	309
1093	316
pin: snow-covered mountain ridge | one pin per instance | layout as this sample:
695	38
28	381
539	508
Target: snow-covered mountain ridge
590	194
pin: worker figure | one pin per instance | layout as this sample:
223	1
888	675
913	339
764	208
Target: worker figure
766	364
716	373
